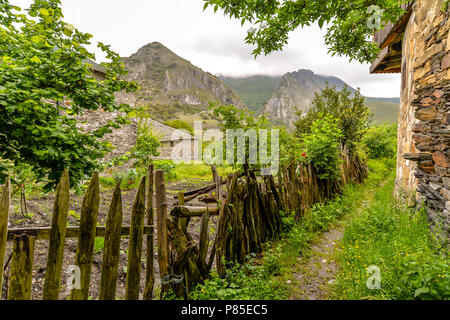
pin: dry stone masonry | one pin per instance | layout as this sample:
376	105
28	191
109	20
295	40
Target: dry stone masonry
424	120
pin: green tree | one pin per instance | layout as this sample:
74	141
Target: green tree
350	24
147	144
43	60
322	147
234	118
350	111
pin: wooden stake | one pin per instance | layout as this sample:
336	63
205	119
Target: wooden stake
85	246
111	251
21	269
135	244
5	202
149	270
161	211
57	239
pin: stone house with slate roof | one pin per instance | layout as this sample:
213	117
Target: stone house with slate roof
418	47
124	139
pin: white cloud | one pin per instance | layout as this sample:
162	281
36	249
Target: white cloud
211	41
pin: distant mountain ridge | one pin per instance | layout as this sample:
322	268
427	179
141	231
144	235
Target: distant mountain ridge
171	85
295	91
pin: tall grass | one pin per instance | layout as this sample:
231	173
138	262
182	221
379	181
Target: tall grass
397	240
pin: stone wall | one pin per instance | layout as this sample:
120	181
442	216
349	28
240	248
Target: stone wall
424	121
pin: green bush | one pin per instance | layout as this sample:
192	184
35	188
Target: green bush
381	141
167	166
322	147
147	144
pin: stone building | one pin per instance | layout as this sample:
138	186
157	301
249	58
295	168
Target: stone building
124	139
418	47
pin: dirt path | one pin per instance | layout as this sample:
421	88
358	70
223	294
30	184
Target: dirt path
318	270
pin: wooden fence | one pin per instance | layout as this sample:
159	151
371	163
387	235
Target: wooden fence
248	212
249	215
21	269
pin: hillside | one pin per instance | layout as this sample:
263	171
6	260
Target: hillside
254	90
171	86
279	97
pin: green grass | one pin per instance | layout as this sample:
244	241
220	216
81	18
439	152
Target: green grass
384	110
397	240
270	277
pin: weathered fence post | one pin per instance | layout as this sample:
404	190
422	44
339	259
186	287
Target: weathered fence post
111	251
161	210
57	239
204	243
149	276
85	245
4	214
21	268
183	222
135	244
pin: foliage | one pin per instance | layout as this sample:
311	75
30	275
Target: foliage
234	118
291	147
269	276
99	244
146	147
250	281
43	60
167	166
396	239
350	24
127	179
381	141
180	124
351	113
322	147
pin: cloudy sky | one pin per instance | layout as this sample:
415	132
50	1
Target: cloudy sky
211	41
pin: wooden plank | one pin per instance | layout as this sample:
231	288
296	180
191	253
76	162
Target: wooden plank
85	245
149	270
111	251
161	212
5	202
43	233
191	211
57	239
21	269
135	244
204	243
182	221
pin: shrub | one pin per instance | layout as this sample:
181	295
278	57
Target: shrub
347	108
381	141
322	146
147	144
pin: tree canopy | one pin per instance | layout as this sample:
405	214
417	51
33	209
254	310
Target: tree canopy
348	109
350	24
43	61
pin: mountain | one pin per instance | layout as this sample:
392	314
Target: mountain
171	86
254	90
280	97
